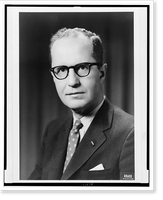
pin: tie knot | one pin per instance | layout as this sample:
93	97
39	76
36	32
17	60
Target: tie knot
77	125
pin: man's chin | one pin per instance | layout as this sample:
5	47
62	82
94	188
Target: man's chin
77	108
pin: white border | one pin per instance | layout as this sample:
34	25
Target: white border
13	85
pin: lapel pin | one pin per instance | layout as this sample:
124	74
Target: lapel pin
93	144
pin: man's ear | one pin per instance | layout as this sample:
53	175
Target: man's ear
103	71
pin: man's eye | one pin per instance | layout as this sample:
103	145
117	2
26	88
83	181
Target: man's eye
83	67
60	70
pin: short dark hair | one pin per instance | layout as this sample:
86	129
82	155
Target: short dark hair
98	50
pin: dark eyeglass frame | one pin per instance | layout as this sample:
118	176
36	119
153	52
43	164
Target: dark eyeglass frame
75	69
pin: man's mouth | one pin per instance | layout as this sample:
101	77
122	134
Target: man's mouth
74	93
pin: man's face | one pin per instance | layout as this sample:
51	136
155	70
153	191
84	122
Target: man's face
81	94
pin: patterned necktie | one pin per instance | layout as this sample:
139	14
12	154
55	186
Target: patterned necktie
73	141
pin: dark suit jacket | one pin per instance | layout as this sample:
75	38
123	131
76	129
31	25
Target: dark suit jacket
112	133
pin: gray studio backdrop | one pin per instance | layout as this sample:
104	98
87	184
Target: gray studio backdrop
39	102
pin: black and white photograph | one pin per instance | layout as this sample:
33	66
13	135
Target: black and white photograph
77	95
105	148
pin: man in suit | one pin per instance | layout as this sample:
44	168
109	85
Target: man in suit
97	141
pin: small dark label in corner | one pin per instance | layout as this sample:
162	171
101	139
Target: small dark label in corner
126	176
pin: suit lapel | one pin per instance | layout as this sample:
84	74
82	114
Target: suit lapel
59	151
92	140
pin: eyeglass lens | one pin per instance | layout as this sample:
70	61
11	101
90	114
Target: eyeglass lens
80	69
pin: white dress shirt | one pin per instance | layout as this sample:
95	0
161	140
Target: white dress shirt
86	120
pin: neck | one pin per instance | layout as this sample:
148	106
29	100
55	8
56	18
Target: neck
77	115
86	112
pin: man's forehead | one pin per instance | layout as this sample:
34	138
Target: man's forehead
78	40
70	51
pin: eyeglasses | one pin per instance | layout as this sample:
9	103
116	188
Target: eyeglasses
82	69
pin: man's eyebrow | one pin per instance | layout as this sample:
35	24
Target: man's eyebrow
60	66
70	65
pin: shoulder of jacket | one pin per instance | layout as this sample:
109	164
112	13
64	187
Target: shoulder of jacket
57	122
122	114
123	119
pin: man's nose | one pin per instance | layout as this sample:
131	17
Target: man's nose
73	79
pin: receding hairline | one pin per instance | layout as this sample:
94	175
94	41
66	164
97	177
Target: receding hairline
95	40
79	35
84	40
